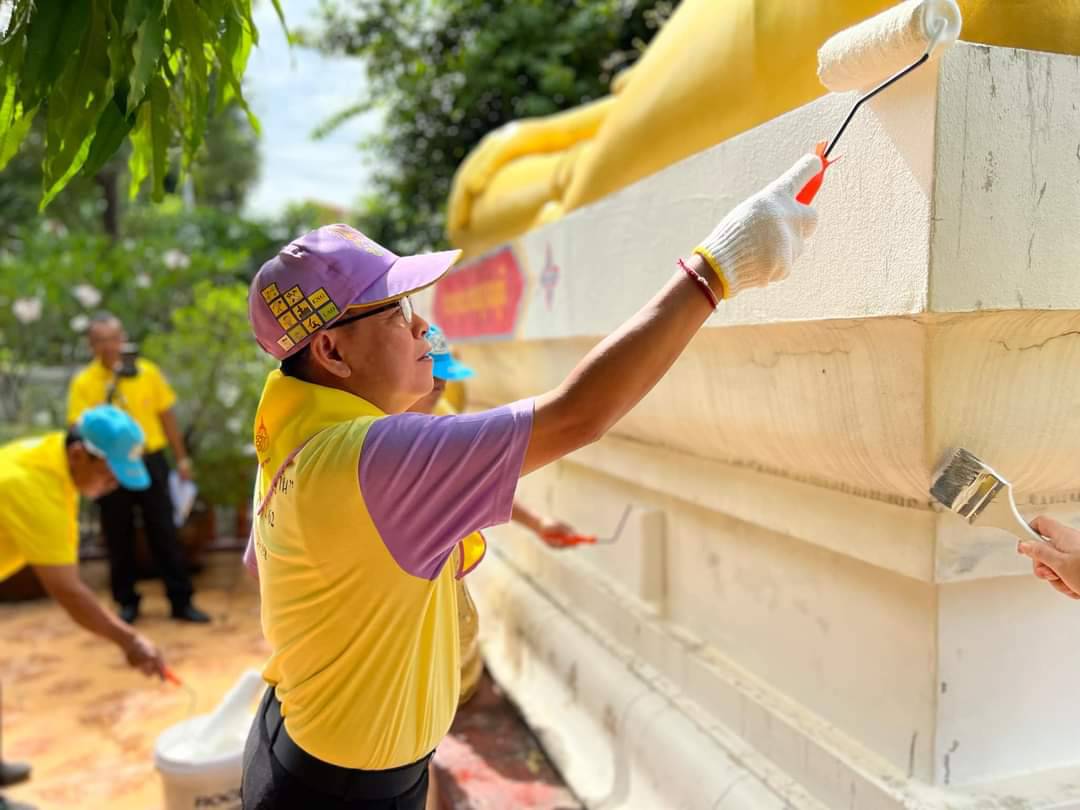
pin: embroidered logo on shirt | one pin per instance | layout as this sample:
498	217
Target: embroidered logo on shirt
262	438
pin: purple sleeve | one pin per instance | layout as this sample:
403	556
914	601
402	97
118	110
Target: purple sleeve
429	481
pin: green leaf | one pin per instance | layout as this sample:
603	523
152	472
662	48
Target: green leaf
112	128
337	119
193	29
11	57
281	16
136	12
52	41
75	105
160	135
146	51
12	137
142	148
118	49
233	49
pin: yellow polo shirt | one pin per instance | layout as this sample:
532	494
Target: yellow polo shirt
38	505
144	397
357	549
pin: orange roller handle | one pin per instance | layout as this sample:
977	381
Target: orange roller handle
172	677
566	540
810	190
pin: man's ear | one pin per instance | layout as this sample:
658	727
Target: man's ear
78	458
76	452
324	353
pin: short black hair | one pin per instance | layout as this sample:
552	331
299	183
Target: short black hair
103	316
297	365
74	436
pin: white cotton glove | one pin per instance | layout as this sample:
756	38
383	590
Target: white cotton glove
759	240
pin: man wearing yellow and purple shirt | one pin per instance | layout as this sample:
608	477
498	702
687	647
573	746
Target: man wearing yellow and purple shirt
41	479
361	506
142	391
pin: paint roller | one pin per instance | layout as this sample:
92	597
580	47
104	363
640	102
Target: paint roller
558	539
891	44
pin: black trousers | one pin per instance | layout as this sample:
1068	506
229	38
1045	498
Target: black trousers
268	786
118	526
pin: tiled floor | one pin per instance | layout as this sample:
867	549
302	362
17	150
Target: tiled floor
85	721
88	723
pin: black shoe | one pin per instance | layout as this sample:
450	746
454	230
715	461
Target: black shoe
7	804
12	773
190	613
129	613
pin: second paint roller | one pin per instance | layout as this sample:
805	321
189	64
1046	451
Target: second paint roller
877	53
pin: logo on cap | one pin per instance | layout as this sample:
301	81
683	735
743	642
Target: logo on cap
297	314
357	239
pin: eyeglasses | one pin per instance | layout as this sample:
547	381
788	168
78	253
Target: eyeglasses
404	304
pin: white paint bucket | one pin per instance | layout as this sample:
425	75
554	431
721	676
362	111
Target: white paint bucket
201	759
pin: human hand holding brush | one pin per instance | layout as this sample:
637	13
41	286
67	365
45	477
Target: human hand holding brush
144	655
1057	561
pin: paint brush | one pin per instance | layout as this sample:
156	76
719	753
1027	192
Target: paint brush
966	485
564	540
174	679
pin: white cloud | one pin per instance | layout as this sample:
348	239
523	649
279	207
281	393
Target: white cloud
292	91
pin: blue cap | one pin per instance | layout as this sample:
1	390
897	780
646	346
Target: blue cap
444	366
109	433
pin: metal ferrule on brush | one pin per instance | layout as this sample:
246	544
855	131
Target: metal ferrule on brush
971	489
966	485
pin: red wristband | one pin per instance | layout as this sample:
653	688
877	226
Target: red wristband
706	290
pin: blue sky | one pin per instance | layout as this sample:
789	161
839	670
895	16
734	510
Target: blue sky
292	90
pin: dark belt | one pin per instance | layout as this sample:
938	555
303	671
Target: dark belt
343	783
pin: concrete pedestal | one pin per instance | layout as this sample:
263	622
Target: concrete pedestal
787	620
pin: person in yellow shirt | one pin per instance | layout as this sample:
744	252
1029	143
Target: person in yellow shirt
367	514
140	389
40	482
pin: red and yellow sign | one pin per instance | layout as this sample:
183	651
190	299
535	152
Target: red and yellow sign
481	299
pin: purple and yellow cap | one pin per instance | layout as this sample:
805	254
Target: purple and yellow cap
315	278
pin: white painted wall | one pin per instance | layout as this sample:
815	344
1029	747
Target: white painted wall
1009	663
1007	199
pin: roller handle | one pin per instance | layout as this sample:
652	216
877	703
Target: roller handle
172	677
810	190
563	540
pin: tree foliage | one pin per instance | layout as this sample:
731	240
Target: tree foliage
218	372
98	72
449	71
222	173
